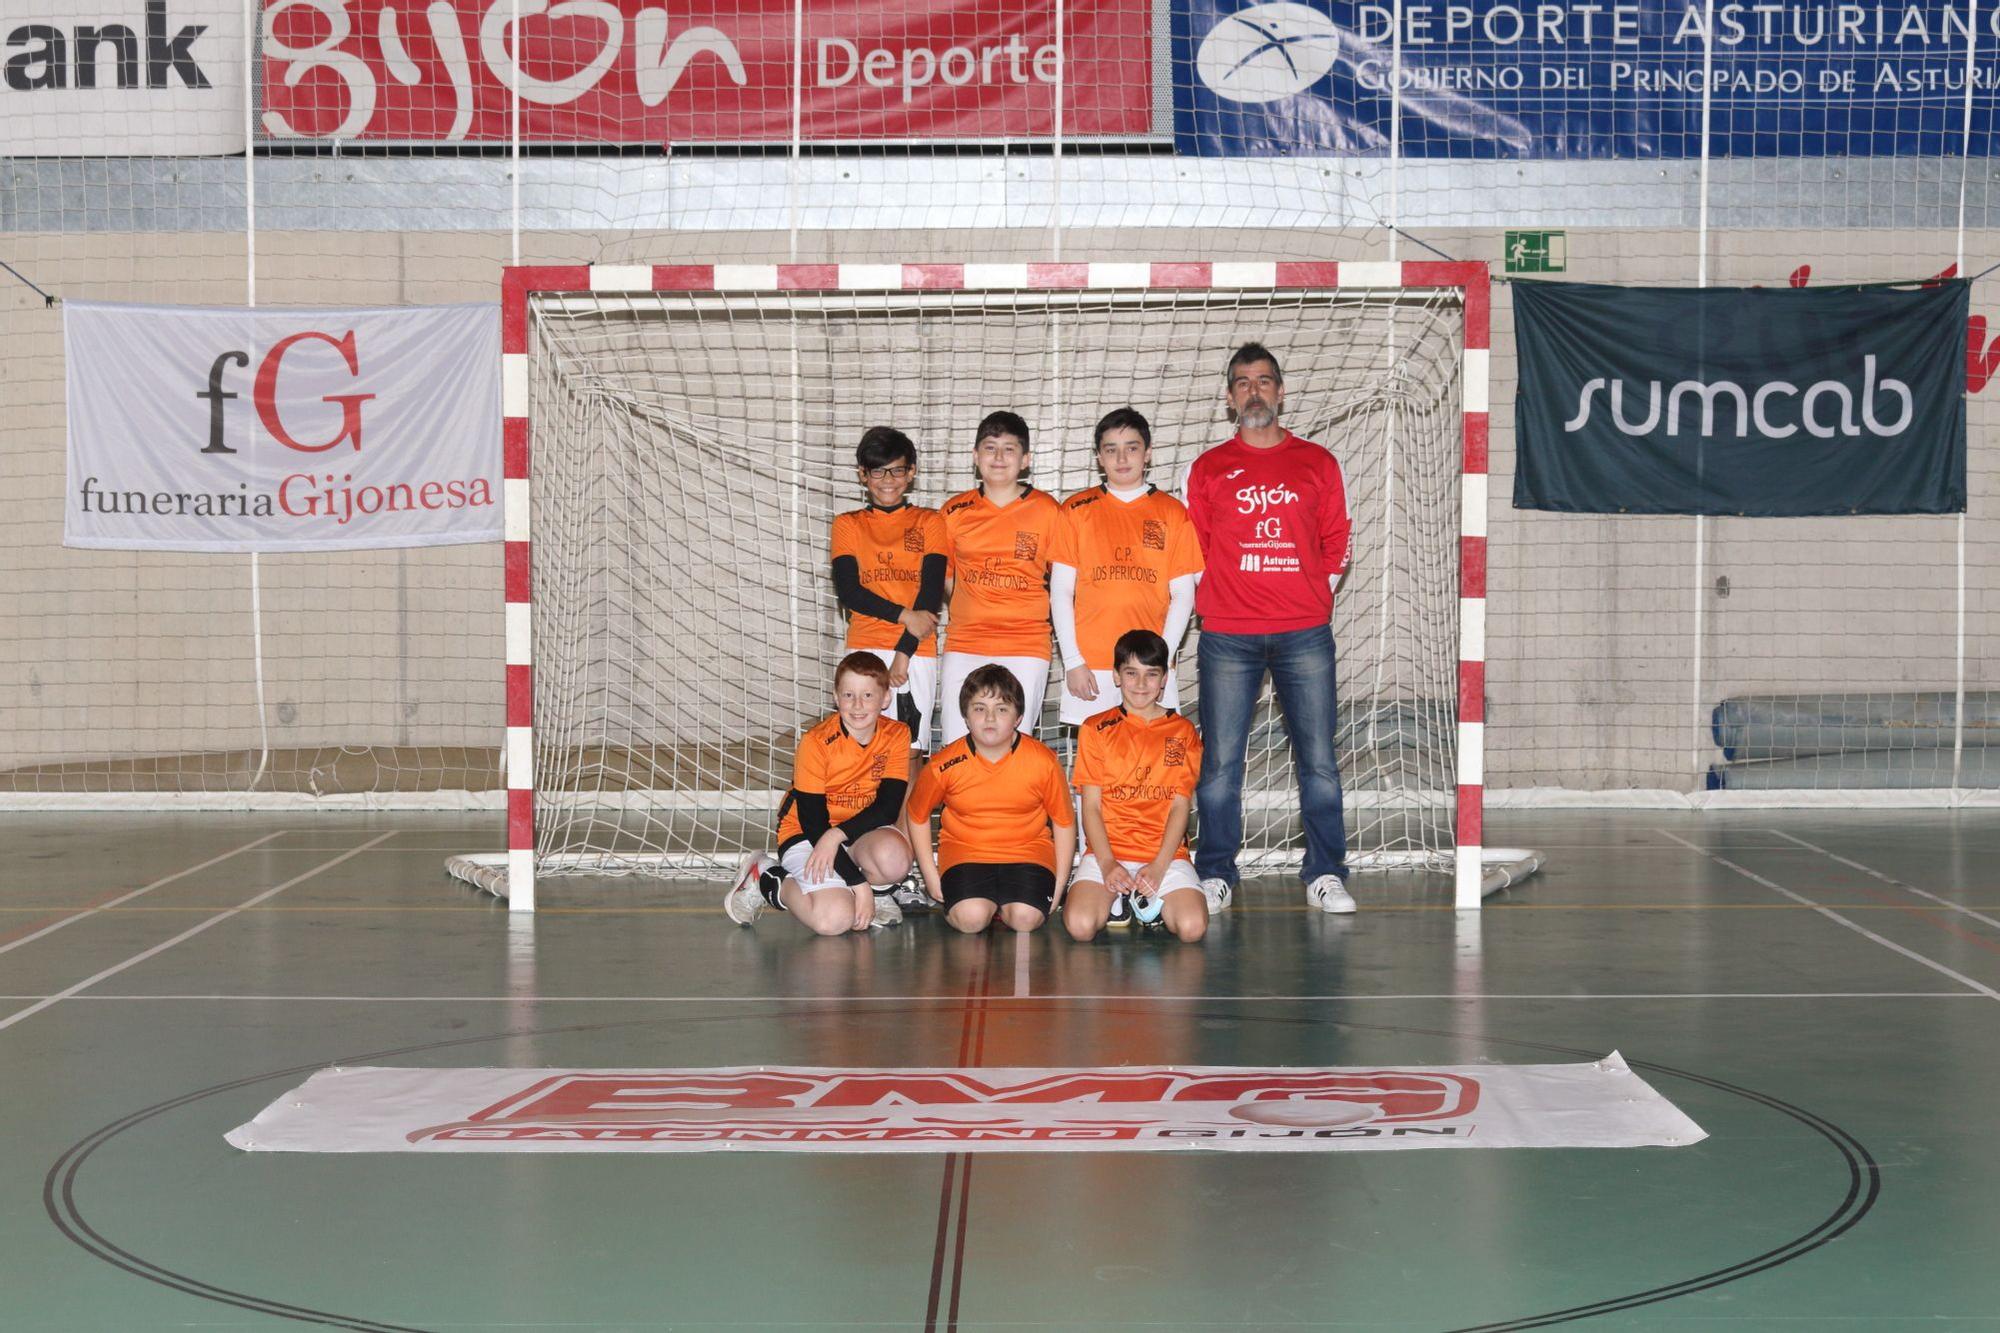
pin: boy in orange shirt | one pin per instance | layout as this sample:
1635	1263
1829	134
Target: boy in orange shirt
837	830
1008	831
1000	536
888	575
1136	767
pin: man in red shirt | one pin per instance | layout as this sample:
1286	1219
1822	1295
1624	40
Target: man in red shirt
1270	510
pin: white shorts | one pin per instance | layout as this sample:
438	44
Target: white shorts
1032	672
1076	712
921	692
794	860
1180	873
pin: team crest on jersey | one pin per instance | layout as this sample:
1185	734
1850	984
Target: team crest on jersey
878	766
1153	535
1026	544
913	540
1176	751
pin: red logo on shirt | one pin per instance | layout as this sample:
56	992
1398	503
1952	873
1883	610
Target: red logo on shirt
913	540
1026	544
1153	535
1176	752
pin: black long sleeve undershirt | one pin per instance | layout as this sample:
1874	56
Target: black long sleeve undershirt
856	598
815	819
930	597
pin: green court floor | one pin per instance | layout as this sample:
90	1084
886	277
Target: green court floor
1820	991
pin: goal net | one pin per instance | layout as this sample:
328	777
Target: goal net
689	450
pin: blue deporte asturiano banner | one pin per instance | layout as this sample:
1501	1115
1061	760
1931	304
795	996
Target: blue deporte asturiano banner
1776	402
1578	80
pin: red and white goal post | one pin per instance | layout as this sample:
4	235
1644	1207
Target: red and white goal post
678	437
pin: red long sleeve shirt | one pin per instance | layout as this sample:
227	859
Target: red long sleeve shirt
1274	531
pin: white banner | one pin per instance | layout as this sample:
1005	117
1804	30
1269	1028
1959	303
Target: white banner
196	429
1598	1105
121	78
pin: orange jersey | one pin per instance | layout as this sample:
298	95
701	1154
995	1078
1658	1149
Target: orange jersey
1138	767
994	814
890	546
1000	568
832	763
1125	553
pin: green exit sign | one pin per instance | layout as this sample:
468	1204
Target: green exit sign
1536	252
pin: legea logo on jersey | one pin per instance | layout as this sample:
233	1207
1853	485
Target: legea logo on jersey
1257	499
1267	52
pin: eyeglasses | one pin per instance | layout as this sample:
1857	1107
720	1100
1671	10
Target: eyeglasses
896	473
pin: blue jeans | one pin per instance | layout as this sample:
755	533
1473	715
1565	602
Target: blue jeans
1232	675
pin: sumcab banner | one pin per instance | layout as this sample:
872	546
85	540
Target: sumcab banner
201	429
1778	402
669	71
1129	1108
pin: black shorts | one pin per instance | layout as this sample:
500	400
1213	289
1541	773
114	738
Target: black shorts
1009	882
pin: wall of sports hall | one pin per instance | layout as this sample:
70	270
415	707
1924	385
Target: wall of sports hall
376	676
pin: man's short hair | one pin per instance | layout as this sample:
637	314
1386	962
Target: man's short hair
1002	423
1123	418
991	679
882	445
1141	646
862	664
1249	354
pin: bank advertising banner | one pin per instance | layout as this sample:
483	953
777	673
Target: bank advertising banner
120	78
201	429
703	71
1509	79
1771	402
1602	1104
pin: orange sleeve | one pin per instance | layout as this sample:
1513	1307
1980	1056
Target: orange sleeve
1191	775
899	758
809	765
1184	551
843	541
1088	772
927	793
936	540
1063	540
1056	797
1054	525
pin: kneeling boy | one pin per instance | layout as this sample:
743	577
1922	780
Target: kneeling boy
1136	767
1008	831
837	833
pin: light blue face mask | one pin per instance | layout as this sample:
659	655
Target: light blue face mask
1147	910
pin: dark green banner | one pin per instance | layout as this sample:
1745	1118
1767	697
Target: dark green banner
1774	402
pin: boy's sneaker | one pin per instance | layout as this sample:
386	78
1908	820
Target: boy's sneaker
1146	911
1121	912
888	912
744	902
1329	894
910	894
1219	895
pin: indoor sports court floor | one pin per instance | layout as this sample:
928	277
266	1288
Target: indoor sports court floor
1819	991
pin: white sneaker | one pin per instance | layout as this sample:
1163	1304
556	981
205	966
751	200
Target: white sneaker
1218	893
744	902
888	912
1328	894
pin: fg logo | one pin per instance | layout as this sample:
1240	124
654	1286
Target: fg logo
1267	52
264	393
1270	529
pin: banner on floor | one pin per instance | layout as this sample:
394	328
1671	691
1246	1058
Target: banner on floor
1577	82
1768	402
1598	1105
646	72
201	429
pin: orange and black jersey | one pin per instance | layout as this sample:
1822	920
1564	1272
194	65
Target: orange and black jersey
1000	571
884	562
995	813
838	781
1139	768
1125	553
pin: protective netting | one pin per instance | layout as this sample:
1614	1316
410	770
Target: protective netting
690	453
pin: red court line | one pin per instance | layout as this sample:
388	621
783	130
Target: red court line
10	936
1931	915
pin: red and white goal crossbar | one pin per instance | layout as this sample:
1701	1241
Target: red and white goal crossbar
520	285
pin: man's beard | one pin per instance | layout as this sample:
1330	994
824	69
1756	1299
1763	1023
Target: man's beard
1257	415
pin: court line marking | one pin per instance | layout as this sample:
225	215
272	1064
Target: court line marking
1834	916
112	903
957	999
1891	880
188	934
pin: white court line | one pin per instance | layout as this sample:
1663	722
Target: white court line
1020	966
188	934
1892	881
959	999
55	926
1832	915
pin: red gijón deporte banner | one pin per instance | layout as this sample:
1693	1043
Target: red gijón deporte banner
663	72
204	429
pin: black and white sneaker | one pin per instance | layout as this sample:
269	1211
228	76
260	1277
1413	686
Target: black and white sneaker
910	896
1121	913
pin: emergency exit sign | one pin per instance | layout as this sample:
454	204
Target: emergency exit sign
1536	252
